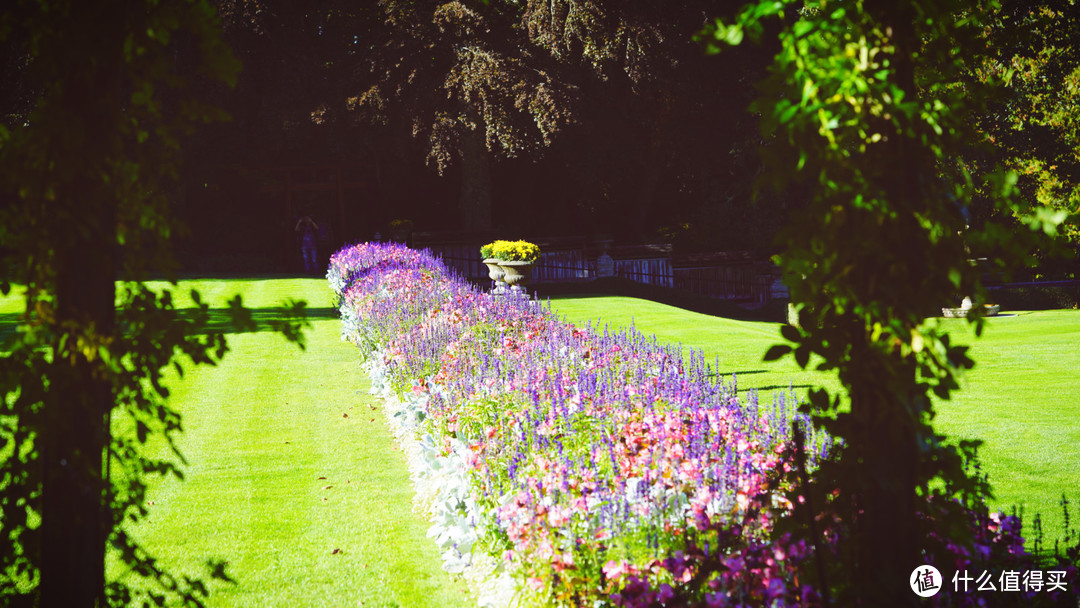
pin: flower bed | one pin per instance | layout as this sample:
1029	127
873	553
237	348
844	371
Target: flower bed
596	465
578	466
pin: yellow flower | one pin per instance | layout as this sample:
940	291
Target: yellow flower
509	251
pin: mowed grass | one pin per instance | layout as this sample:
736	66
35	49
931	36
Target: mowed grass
293	478
1022	398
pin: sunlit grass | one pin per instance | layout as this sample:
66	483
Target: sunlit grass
1022	398
293	478
262	428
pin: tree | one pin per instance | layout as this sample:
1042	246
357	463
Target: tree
645	140
621	81
1032	125
880	247
459	75
86	154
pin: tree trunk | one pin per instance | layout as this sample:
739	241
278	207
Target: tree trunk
475	182
887	547
75	516
645	196
74	511
888	551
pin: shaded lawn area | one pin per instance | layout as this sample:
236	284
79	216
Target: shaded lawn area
1022	398
293	477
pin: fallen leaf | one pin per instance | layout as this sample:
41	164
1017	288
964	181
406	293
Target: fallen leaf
373	420
322	478
335	552
344	415
328	487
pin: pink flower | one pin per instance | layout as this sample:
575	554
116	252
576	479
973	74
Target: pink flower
614	570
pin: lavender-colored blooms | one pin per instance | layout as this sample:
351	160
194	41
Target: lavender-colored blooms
574	437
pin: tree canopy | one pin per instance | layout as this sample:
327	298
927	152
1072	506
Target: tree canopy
616	98
1033	120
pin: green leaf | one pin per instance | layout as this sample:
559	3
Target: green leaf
732	34
786	111
802	28
955	277
1046	219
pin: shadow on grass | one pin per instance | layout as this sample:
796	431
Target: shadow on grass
219	320
779	387
237	277
775	311
9	322
265	318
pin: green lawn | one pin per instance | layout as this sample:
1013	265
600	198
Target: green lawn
1022	398
294	480
735	346
293	476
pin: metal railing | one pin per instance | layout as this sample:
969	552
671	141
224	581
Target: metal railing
734	282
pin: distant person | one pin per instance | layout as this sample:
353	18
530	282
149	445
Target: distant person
308	231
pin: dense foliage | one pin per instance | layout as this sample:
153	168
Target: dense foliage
883	244
648	137
1032	120
87	156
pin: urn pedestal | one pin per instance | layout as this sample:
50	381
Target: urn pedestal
516	274
495	273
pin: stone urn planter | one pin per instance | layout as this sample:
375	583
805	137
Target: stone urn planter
496	273
516	273
968	309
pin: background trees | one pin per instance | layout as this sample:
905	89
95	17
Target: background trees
648	137
1032	119
441	102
